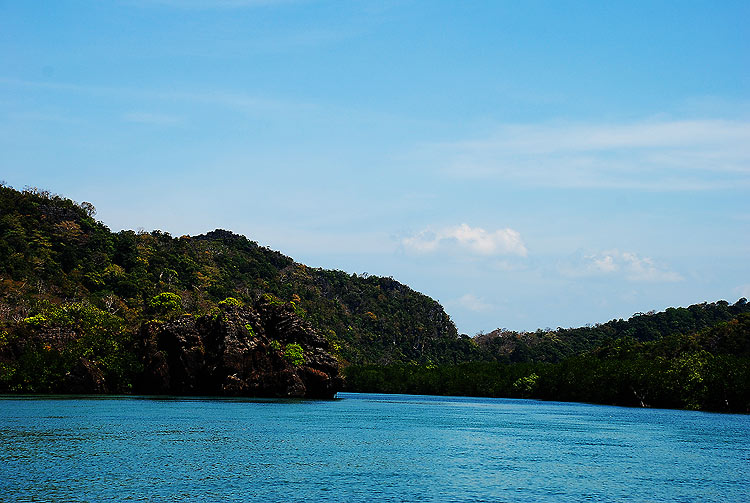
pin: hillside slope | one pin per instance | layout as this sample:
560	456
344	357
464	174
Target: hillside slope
53	252
555	345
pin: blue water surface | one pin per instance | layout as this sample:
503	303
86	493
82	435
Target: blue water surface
366	447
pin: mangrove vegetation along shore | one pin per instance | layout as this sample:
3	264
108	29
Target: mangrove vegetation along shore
708	370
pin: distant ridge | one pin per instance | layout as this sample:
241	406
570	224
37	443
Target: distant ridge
555	345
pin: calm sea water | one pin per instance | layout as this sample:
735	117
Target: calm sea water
365	447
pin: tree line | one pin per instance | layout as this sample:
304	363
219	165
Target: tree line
707	370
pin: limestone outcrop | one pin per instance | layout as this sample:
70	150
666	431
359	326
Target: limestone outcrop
264	351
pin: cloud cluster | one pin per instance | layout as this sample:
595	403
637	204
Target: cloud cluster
629	265
472	239
653	155
473	303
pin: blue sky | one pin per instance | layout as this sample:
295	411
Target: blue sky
528	164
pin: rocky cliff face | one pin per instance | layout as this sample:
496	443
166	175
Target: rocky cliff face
265	351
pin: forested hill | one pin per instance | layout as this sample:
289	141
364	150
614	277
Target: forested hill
53	252
555	345
708	370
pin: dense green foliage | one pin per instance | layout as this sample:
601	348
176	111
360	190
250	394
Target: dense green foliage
294	354
53	342
555	345
55	256
709	370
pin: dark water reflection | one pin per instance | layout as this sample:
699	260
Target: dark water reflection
365	448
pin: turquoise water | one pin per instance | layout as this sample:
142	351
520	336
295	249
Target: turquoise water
365	447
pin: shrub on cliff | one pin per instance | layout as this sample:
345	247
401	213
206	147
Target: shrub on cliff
166	304
294	354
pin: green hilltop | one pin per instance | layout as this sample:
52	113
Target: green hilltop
59	266
553	346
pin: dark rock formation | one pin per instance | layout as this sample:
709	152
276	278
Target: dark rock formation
85	378
242	351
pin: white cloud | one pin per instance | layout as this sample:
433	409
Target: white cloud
605	264
661	155
644	269
473	303
473	239
627	265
